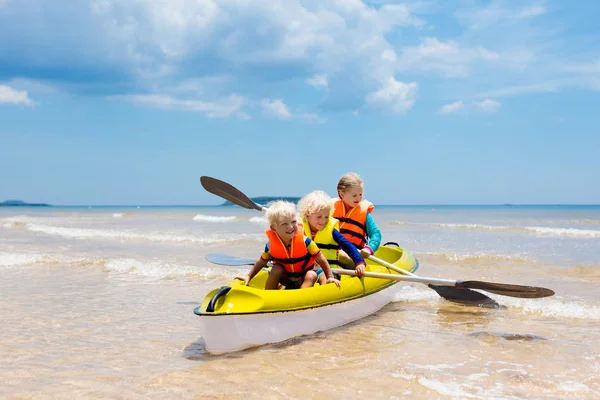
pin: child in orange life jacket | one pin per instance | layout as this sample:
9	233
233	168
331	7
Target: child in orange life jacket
356	222
293	254
315	211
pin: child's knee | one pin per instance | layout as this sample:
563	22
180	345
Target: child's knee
312	275
277	270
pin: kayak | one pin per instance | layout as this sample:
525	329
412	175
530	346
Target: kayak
236	317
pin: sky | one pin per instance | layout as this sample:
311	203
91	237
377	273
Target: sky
112	102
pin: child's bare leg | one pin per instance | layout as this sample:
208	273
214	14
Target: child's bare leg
345	260
322	279
309	279
274	277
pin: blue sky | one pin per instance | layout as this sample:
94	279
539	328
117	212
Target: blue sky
432	102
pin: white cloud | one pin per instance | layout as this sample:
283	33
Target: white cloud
315	118
496	14
487	105
396	96
275	108
8	95
589	68
452	107
317	81
448	58
222	108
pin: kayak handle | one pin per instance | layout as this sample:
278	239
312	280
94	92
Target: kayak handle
220	293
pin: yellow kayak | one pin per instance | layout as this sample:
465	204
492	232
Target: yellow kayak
235	317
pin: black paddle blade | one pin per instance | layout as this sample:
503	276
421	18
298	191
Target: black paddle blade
228	192
231	261
465	296
505	289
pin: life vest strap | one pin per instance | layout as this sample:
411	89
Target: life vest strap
324	246
353	222
295	260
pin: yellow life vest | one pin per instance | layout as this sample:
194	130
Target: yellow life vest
324	239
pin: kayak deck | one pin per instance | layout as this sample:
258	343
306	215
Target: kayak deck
235	298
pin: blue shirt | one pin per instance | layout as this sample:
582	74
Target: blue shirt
373	233
348	247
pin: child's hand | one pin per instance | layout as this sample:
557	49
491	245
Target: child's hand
245	278
333	280
360	270
365	252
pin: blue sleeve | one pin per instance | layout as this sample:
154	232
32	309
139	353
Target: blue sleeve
373	233
348	247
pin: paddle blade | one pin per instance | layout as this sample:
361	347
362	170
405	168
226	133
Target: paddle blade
505	289
231	261
228	192
465	296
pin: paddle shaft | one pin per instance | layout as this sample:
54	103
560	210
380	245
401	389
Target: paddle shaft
395	277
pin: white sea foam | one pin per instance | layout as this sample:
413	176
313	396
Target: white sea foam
85	233
213	218
414	293
120	215
164	269
455	390
479	257
542	230
564	231
554	307
148	268
13	259
258	220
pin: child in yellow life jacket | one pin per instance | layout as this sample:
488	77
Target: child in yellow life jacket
293	254
315	211
356	222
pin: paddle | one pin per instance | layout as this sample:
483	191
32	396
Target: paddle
503	289
229	192
456	295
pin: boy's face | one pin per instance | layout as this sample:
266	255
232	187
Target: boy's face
286	228
352	196
318	220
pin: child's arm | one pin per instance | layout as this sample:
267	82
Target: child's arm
352	252
374	235
258	265
322	261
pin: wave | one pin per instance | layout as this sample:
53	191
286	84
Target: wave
121	215
13	259
258	220
472	258
152	268
165	269
212	218
555	307
547	307
550	231
86	233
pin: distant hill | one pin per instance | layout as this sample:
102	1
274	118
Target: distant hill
21	203
267	199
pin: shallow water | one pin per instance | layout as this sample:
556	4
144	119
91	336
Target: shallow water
99	303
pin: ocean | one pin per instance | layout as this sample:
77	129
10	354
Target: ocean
97	302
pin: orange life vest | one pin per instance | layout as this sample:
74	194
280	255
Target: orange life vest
353	221
297	260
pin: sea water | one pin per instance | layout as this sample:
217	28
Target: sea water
97	302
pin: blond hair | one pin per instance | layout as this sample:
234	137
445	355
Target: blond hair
279	210
348	181
314	202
